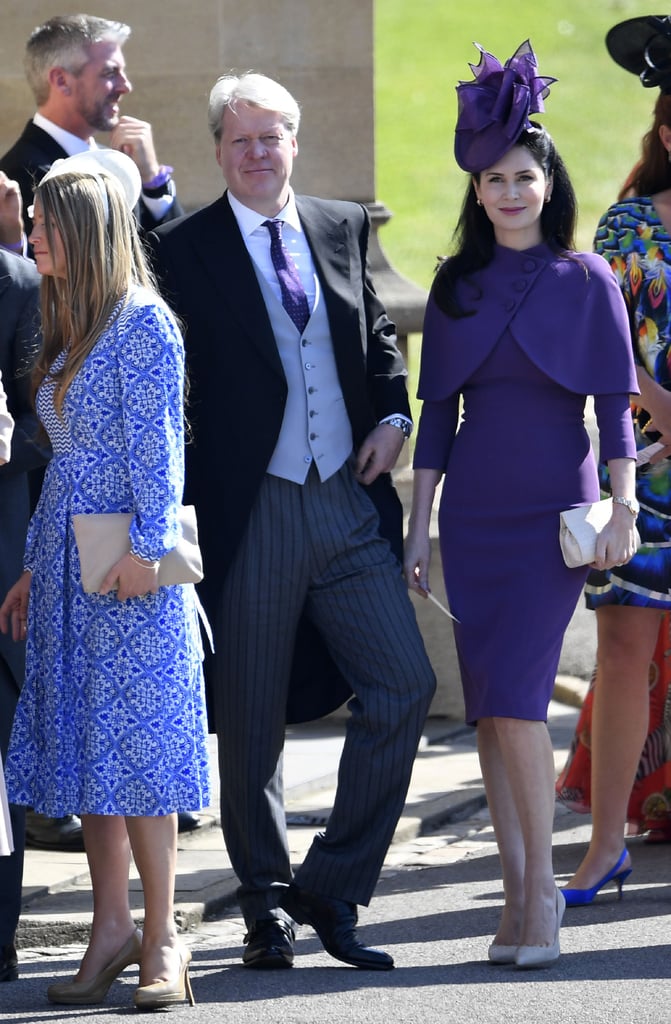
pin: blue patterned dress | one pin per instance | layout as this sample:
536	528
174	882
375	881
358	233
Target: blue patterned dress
631	237
111	719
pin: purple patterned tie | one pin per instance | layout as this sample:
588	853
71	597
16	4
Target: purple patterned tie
294	298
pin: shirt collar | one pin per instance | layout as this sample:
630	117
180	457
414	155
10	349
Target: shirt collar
72	144
249	220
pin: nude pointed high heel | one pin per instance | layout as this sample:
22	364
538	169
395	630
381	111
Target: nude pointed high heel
500	954
543	956
167	993
87	993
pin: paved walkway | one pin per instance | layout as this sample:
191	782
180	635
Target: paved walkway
446	787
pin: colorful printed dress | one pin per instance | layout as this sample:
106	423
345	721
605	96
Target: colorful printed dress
631	237
111	719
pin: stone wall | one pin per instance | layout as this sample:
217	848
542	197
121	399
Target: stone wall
320	50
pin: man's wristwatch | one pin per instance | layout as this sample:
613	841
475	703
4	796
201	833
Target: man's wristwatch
166	189
401	423
630	503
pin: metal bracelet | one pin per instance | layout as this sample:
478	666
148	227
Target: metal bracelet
143	562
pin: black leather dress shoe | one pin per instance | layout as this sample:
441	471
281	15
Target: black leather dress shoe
270	945
335	924
187	821
9	964
44	833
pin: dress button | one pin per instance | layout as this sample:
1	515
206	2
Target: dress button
304	342
307	458
308	366
313	437
509	305
529	265
311	390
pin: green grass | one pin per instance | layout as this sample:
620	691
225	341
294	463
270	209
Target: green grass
596	111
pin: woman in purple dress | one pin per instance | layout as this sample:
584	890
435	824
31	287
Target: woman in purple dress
519	329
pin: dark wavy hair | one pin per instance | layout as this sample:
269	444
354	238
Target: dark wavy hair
652	172
474	239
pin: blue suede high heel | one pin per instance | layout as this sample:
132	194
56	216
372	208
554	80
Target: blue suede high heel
582	897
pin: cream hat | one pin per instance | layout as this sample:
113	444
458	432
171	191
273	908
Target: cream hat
101	162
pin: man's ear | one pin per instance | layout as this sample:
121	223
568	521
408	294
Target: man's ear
59	79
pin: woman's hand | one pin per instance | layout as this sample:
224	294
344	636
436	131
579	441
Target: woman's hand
132	577
417	547
617	542
14	609
11	219
416	561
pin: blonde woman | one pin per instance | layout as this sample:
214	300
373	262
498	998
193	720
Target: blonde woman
111	723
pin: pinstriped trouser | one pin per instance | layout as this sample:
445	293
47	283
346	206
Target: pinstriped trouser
315	546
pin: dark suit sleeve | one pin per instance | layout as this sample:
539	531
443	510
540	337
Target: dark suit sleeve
147	220
28	161
385	369
20	339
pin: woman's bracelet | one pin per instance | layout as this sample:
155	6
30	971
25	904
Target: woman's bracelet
141	561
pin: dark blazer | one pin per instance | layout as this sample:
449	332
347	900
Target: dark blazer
237	385
19	341
32	155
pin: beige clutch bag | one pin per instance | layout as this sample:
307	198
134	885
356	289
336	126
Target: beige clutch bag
579	529
102	539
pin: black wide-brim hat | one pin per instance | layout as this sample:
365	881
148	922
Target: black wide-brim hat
643	46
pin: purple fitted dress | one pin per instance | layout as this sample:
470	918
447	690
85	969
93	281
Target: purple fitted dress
520	456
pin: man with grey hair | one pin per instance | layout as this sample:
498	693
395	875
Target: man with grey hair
299	410
76	69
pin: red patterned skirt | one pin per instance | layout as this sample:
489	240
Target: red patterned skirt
649	808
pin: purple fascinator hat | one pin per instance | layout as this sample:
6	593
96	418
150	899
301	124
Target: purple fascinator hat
643	46
494	109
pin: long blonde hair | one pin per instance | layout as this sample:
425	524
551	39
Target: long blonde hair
103	259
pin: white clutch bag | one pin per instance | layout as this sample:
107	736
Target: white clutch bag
579	529
102	539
